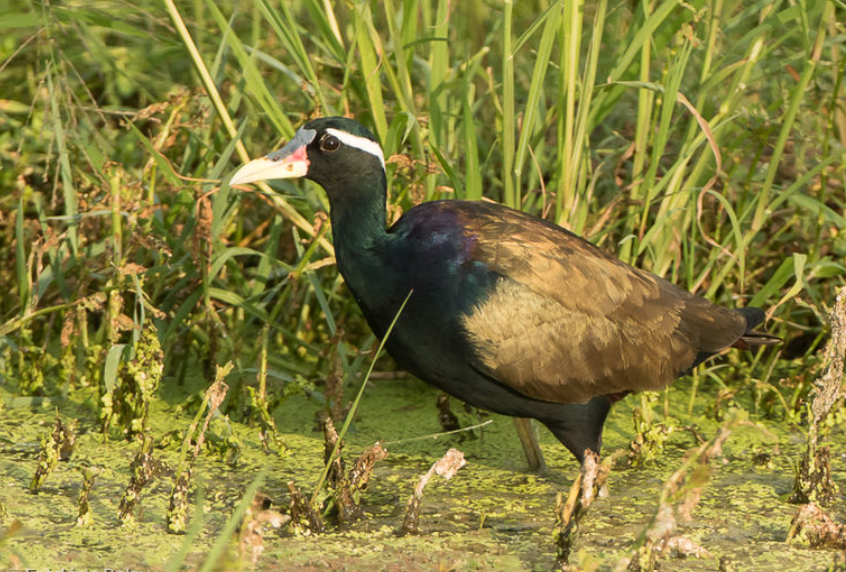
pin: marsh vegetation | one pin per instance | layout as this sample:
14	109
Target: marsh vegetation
171	347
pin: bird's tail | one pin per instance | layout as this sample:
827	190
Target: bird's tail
753	338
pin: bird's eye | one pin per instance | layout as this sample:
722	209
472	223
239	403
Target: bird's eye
330	143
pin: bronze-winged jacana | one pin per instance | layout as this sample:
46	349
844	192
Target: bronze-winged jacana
508	312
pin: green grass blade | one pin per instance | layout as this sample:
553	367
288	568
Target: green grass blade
324	19
24	287
622	62
511	194
68	188
348	419
796	99
472	189
251	75
551	20
369	46
438	66
284	25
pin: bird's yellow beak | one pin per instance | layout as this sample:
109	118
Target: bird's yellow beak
289	162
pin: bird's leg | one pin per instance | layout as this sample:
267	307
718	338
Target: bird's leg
531	447
579	425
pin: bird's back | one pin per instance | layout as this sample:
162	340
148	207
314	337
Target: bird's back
541	310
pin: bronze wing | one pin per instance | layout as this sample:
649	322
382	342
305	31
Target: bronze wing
565	321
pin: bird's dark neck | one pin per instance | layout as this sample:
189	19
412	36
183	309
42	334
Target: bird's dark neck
357	212
362	244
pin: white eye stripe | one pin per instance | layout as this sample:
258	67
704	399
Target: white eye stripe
363	143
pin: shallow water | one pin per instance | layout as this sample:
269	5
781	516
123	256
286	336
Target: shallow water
493	515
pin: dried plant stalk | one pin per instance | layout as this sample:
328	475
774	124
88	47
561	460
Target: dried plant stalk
583	492
813	481
304	517
55	446
89	473
141	471
177	512
683	489
251	532
812	523
446	467
349	506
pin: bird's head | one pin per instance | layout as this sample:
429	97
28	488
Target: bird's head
329	150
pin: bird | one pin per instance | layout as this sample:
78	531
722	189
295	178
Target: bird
501	309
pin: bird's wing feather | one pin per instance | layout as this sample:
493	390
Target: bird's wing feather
564	319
